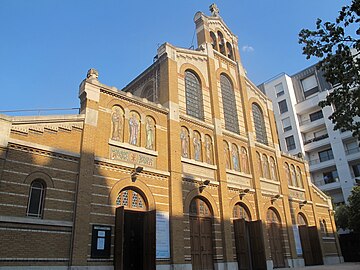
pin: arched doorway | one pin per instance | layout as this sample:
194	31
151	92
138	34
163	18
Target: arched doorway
134	232
250	251
310	243
275	238
201	235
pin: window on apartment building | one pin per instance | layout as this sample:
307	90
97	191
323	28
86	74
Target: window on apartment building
330	177
356	170
229	104
36	198
283	106
101	241
279	88
352	147
290	143
326	155
310	85
316	115
286	124
194	101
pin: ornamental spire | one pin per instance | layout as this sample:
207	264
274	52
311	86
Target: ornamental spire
214	10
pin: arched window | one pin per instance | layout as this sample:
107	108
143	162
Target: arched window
199	208
273	170
299	178
301	219
221	43
130	199
244	161
148	93
194	100
230	51
287	173
272	216
293	175
213	41
229	105
241	211
36	199
265	166
259	124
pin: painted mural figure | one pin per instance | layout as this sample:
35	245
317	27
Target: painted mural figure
244	161
235	158
117	125
208	150
134	129
226	153
184	143
149	134
197	147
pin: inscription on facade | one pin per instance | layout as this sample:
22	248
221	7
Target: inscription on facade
117	153
296	194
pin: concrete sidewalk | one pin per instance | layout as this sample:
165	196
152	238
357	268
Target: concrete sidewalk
342	266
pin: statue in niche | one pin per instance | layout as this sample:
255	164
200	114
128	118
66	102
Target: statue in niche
235	158
184	142
273	170
134	129
150	134
197	147
208	150
244	161
226	153
117	124
266	167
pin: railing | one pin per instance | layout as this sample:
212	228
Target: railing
315	139
352	151
317	161
38	111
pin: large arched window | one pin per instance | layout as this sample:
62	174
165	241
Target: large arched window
36	198
194	101
229	105
259	123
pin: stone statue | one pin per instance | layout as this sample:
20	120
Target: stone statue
197	147
214	10
134	129
208	150
92	74
235	158
150	134
117	124
184	142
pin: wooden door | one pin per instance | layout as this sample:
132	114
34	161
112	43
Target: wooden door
276	244
119	233
305	244
150	240
201	243
315	246
242	244
257	248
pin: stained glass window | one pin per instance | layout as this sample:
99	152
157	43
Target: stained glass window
259	123
194	101
240	211
130	199
229	105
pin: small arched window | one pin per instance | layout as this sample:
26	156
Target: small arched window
194	100
241	211
148	93
287	173
230	51
221	43
229	105
213	41
301	219
200	208
272	216
130	199
259	124
36	199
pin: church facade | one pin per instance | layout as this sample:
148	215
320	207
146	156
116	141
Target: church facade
181	169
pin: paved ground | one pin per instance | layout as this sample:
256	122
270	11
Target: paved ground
343	266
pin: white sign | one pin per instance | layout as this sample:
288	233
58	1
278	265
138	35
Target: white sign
162	235
297	240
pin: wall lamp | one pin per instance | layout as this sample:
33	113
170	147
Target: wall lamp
274	198
242	192
204	185
301	204
136	172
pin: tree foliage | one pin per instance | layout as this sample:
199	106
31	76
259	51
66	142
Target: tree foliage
354	209
337	44
342	216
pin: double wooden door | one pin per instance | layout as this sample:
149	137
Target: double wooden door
276	244
250	251
310	245
134	240
201	243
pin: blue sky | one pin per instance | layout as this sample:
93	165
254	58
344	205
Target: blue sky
47	46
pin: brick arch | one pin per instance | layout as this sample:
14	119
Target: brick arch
233	81
196	71
275	205
204	195
260	104
138	186
236	199
39	175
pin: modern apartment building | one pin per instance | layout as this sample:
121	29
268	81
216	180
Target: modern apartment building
305	130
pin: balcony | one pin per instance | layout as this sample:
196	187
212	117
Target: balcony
352	154
308	125
307	105
317	164
329	186
316	142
